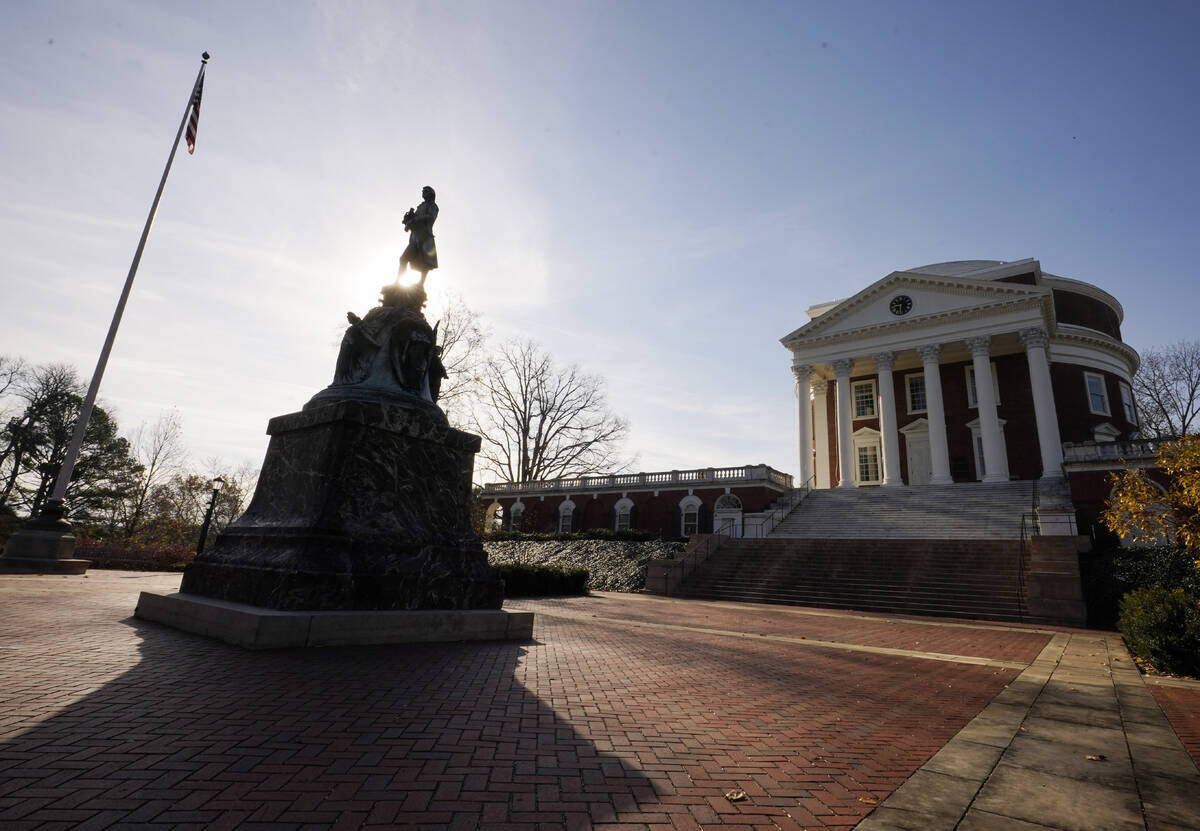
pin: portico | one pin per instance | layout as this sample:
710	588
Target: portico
936	375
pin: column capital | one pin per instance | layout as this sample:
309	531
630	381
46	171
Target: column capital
884	361
802	372
930	352
980	346
841	367
820	386
1034	337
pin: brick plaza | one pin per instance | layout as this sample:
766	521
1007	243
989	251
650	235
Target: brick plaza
624	711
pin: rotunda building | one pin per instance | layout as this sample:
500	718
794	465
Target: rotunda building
973	370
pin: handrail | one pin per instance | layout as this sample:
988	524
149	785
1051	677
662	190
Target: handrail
761	527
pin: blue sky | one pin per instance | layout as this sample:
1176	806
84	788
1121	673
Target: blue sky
654	190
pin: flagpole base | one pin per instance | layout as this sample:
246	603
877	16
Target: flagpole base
44	545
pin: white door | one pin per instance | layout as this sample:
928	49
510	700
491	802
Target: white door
918	458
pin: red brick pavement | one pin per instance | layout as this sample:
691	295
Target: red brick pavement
928	635
108	721
1182	706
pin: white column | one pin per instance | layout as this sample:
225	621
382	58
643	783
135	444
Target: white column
820	390
803	373
939	447
884	361
1044	410
989	422
841	369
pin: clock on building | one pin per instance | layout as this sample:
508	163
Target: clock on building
901	304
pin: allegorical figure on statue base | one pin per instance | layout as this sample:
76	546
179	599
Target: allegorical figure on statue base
421	253
392	346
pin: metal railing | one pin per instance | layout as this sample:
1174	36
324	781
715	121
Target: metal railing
759	527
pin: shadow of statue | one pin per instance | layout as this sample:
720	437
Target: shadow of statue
201	732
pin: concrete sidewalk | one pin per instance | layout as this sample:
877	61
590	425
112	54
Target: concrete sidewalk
1076	742
623	712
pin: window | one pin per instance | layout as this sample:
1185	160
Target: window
1127	403
516	517
863	395
868	456
972	399
1097	393
915	385
689	515
691	521
623	514
566	513
868	464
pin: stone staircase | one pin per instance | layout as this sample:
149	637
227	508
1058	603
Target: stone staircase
944	512
934	550
961	578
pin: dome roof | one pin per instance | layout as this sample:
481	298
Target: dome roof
956	268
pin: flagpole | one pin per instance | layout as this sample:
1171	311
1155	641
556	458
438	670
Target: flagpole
85	413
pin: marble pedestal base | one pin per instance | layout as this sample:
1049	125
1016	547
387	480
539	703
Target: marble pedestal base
360	506
253	627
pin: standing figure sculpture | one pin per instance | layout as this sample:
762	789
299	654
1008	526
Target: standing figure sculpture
421	253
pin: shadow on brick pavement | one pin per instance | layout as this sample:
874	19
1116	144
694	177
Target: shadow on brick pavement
110	721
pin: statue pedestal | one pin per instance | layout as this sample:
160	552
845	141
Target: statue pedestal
360	506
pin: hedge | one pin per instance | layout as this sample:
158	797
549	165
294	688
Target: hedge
1162	626
524	580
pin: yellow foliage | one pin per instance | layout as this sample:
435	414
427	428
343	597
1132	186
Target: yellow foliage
1138	511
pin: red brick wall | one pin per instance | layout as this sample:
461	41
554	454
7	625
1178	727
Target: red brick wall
656	514
1075	419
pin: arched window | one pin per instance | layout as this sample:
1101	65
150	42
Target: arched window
623	514
727	516
566	516
516	517
689	516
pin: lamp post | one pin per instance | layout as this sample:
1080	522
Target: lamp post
217	484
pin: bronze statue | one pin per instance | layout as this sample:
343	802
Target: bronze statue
421	253
392	347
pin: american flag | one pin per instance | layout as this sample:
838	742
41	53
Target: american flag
194	116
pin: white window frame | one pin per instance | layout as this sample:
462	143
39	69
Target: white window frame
908	392
972	395
866	438
623	510
854	385
516	517
1127	404
1087	387
689	505
565	512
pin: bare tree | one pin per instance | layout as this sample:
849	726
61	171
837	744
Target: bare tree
462	336
161	453
1167	389
539	421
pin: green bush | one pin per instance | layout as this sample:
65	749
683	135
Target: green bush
1162	626
1168	566
528	580
631	535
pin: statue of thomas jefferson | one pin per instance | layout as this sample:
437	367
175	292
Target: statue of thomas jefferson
421	253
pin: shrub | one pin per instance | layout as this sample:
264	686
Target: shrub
1162	626
526	580
631	535
1168	566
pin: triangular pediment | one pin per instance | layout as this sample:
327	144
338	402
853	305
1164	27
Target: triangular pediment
906	296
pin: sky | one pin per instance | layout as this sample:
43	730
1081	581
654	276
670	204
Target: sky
655	191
